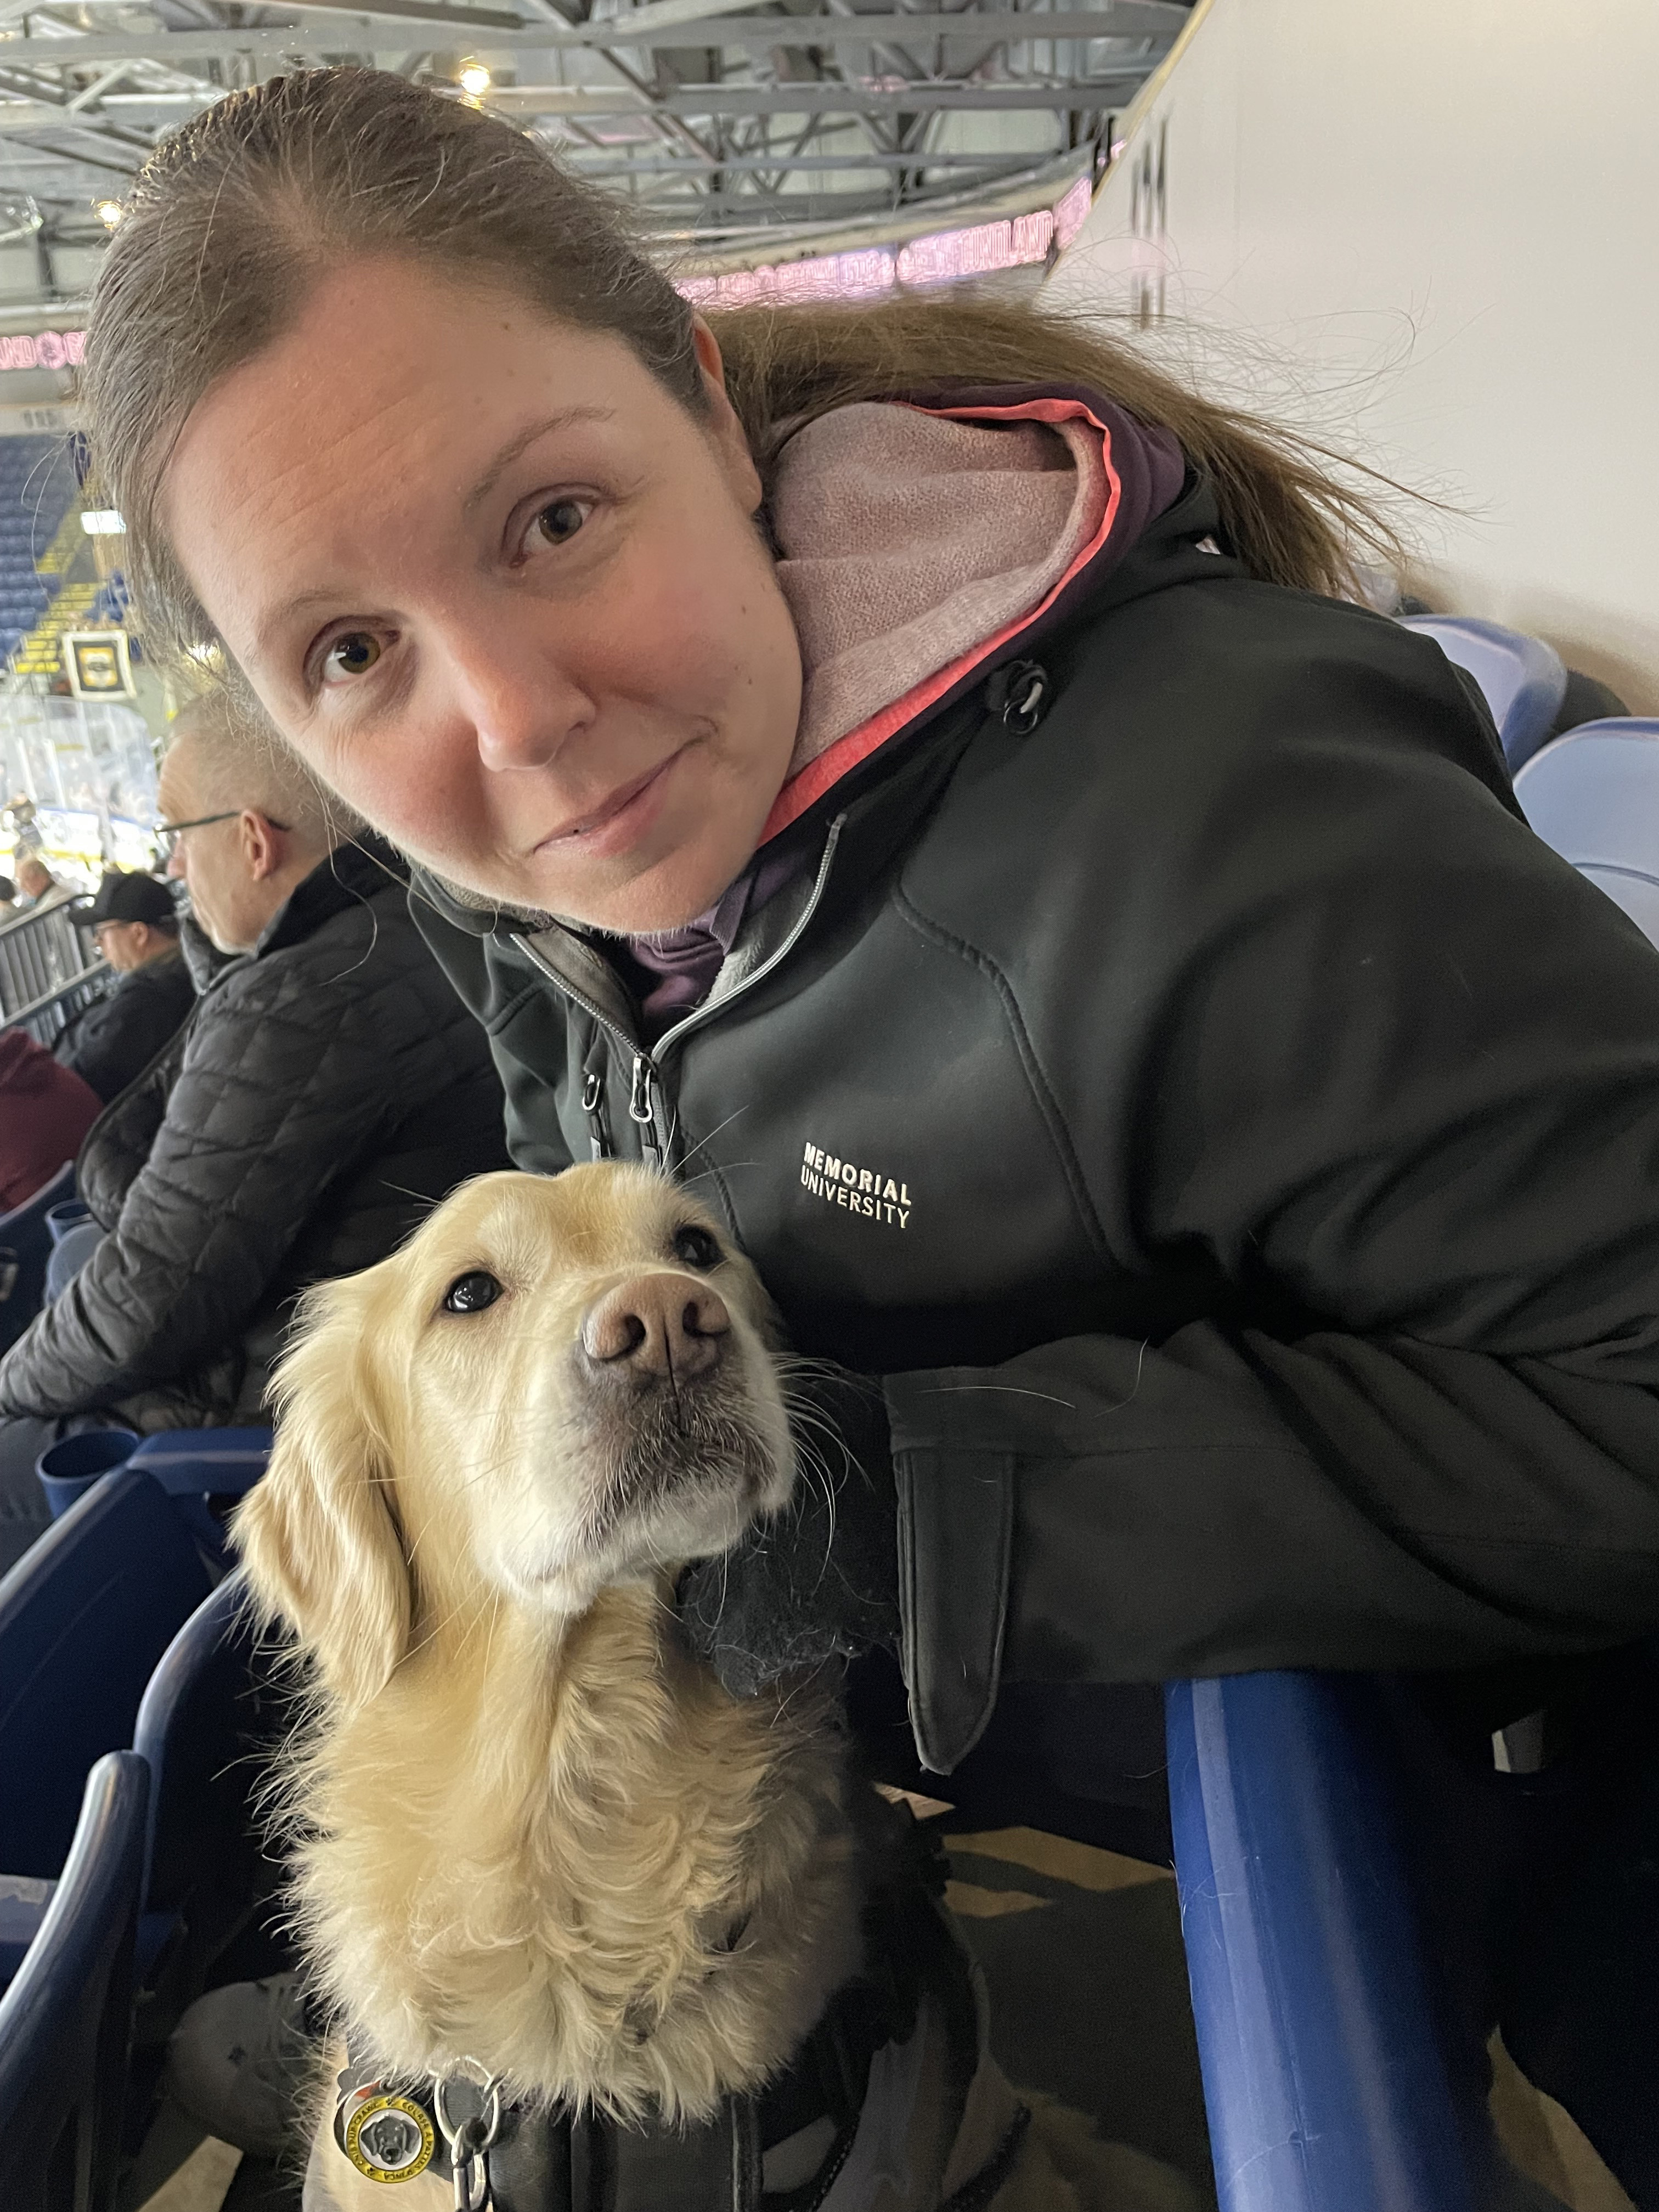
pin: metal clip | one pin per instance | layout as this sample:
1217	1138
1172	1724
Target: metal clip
598	1144
470	2139
642	1111
1020	694
639	1098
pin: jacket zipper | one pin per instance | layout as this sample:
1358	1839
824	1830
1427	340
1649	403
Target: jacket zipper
646	1096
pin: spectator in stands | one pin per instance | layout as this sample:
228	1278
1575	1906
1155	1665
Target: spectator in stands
114	1041
327	1088
45	1112
7	896
39	887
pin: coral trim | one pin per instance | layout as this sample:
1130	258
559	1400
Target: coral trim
819	775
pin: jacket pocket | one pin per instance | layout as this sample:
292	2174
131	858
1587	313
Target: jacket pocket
955	1533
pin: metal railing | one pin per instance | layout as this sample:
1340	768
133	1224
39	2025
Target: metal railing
49	968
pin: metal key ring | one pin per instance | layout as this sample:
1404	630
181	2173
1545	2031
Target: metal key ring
489	2086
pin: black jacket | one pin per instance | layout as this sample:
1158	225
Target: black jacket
1231	1133
325	1089
114	1041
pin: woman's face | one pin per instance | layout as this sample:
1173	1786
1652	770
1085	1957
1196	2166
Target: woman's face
501	590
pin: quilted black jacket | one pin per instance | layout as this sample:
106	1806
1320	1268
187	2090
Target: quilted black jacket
325	1088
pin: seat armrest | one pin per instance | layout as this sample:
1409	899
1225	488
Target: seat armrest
204	1462
1323	2066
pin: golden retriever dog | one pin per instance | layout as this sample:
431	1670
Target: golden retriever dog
532	1836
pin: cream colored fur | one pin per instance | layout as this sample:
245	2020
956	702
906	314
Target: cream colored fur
528	1826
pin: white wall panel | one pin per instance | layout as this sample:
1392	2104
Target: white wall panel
1429	230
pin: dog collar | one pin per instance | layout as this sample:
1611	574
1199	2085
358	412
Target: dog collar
539	2161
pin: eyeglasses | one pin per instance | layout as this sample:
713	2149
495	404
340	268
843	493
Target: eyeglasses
167	833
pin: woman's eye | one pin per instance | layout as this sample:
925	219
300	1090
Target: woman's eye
471	1293
351	655
696	1248
559	521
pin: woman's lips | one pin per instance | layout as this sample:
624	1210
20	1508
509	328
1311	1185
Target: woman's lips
619	819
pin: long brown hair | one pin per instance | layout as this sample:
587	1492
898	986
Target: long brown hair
231	220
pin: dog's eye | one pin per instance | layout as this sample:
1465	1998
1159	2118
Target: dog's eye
471	1293
697	1248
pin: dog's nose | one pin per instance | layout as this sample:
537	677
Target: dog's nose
658	1326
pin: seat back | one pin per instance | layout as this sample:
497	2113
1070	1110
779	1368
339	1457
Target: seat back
1524	680
84	1616
1592	796
193	1465
1322	2069
25	1246
215	1709
65	2020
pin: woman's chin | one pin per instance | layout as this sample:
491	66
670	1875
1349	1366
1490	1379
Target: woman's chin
663	896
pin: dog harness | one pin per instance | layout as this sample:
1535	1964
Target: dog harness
855	2079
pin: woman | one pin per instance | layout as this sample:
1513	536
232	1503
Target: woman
897	766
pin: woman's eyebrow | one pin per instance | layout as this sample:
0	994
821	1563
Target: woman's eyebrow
527	438
278	616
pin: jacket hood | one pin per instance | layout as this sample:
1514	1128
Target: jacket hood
919	543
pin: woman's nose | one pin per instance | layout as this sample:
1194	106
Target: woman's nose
521	703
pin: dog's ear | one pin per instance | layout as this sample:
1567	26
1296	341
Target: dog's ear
322	1551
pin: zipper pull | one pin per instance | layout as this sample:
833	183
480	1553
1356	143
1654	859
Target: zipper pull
592	1100
642	1110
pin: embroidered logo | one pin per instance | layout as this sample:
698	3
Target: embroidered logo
859	1190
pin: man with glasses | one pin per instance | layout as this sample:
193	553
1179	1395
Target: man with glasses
136	927
326	1089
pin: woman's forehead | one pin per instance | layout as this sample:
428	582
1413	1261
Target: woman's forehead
395	384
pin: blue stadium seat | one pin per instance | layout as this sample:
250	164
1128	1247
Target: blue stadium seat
1524	680
1322	2075
65	2019
84	1616
87	1617
1592	796
215	1704
25	1243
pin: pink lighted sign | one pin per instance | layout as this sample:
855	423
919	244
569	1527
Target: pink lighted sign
945	258
43	350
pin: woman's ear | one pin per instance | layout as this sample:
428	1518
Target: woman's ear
322	1552
736	458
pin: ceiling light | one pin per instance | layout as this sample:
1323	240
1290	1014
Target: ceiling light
102	522
474	80
110	212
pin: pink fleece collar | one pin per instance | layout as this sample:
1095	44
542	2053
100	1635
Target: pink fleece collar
917	542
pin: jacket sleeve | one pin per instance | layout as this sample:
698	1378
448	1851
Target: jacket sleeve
281	1087
1386	1074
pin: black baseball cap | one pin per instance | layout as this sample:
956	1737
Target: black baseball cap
126	895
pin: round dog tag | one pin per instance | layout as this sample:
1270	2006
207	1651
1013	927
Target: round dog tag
389	2138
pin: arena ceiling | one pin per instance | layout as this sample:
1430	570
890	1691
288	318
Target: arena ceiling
736	130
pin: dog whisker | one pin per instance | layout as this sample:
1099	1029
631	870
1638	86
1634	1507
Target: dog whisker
715	1132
